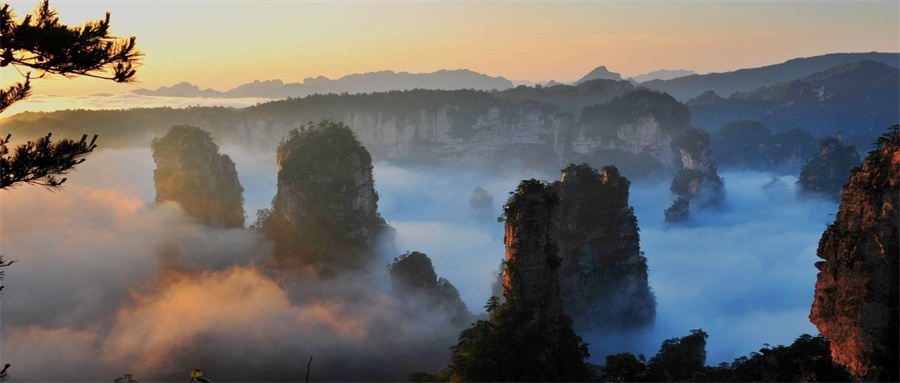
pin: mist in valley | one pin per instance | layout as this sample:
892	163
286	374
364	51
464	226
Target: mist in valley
107	284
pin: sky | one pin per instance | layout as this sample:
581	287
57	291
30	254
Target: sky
223	44
136	317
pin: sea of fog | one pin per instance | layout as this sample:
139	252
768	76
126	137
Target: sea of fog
85	291
126	100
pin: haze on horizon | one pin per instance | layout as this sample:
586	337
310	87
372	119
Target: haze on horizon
222	45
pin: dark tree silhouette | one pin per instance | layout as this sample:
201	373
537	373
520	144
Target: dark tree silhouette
42	162
40	42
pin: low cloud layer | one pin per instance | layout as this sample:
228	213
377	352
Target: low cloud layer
107	285
127	100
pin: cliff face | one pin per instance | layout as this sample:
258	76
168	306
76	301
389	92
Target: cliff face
191	172
698	181
531	270
324	214
527	337
856	297
603	275
478	129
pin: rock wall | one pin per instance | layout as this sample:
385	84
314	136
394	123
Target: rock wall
191	172
531	277
641	136
603	275
500	135
856	296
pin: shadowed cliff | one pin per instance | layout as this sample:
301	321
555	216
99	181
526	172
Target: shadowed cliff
528	337
190	171
856	297
603	275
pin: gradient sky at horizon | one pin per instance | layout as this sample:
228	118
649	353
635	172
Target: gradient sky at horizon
223	44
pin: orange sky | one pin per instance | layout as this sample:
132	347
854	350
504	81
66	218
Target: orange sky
221	45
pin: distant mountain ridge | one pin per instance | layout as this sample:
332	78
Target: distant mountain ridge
382	81
724	84
662	74
858	99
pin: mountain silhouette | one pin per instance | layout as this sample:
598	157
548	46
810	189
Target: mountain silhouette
724	84
382	81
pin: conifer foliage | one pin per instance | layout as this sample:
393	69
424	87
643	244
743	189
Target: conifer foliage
41	43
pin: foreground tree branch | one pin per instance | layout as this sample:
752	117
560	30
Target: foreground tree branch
42	162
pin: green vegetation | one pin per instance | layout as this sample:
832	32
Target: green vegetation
509	347
404	106
325	213
850	97
678	211
639	165
191	171
42	162
603	275
679	359
827	173
682	360
567	98
692	140
514	203
672	115
687	183
750	145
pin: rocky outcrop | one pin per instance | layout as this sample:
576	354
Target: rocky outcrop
603	274
678	211
639	122
482	205
191	172
856	296
531	269
325	213
528	337
697	182
414	281
826	173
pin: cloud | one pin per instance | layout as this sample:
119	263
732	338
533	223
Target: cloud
49	103
107	284
744	273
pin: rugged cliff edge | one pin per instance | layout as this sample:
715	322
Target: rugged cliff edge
324	214
527	338
603	274
531	270
191	172
856	297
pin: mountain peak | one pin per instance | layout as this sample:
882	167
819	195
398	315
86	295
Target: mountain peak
600	72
